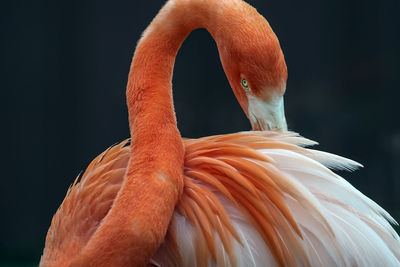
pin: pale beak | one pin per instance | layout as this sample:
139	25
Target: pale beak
267	115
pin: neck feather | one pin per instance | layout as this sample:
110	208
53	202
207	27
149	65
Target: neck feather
149	89
138	220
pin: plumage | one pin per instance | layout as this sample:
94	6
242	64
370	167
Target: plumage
259	212
258	198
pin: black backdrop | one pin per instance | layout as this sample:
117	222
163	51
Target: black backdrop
64	66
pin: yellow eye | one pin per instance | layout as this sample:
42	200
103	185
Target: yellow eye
245	84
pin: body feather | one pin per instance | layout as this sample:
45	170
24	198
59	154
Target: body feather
249	199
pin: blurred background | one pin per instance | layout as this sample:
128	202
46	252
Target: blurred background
64	67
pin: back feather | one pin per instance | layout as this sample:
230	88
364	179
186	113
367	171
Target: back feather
286	207
249	199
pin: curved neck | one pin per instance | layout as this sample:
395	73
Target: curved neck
156	141
152	66
152	118
138	220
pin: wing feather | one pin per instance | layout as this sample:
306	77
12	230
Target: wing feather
249	199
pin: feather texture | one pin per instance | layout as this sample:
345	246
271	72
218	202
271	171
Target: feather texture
249	199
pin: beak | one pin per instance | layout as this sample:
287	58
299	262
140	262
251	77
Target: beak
266	115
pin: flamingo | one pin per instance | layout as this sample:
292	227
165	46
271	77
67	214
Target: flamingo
256	198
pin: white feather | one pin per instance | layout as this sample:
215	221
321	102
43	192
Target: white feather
348	229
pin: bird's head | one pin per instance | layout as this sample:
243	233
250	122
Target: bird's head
255	67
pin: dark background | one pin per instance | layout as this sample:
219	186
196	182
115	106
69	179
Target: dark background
64	66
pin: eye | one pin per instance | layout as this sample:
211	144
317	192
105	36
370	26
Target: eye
245	84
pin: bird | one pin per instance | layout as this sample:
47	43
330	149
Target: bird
254	198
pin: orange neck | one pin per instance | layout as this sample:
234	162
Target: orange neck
137	222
